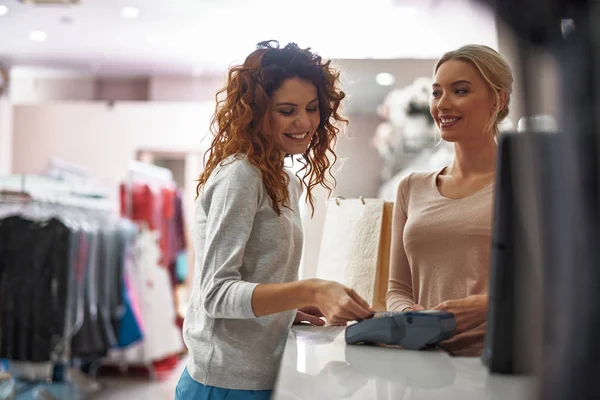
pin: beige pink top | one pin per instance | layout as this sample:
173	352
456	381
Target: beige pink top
444	253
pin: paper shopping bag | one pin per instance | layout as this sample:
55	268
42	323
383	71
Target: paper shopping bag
355	247
383	260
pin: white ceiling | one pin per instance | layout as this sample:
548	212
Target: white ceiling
185	37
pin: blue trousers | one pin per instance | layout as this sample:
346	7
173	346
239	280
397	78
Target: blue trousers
189	389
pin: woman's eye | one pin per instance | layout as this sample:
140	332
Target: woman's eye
312	110
286	112
461	91
435	93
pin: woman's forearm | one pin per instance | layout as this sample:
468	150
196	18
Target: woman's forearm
398	301
271	298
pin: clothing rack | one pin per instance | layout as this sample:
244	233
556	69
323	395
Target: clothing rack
67	171
74	193
25	194
51	191
154	176
136	170
141	170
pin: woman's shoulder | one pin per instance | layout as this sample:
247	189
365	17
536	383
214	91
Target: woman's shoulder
232	179
237	167
418	179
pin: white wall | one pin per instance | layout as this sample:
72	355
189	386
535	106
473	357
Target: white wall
184	88
6	135
359	165
104	138
28	90
31	89
122	89
358	80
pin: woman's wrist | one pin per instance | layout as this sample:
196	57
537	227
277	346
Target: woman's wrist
310	291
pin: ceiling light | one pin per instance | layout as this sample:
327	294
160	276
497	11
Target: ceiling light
3	10
130	12
385	79
37	36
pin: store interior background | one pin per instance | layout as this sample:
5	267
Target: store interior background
109	81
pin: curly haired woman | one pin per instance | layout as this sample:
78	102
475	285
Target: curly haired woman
281	102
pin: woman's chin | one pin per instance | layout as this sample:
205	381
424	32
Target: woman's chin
450	136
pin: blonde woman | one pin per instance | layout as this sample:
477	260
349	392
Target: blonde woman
442	220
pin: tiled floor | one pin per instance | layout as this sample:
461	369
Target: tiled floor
82	387
139	389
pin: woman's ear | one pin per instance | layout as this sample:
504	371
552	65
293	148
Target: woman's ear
502	97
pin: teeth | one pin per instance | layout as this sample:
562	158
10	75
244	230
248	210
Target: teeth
299	136
448	120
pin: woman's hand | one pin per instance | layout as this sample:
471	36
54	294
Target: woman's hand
309	314
340	304
469	312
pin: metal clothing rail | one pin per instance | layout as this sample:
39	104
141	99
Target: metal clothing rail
143	171
47	190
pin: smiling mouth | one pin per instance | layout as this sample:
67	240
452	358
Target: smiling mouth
297	136
447	121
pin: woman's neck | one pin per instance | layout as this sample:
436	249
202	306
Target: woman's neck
474	158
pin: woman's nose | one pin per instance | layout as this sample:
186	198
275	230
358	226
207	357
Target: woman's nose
443	103
302	121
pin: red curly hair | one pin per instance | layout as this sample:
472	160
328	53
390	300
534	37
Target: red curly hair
241	125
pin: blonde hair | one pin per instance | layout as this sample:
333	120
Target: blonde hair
495	71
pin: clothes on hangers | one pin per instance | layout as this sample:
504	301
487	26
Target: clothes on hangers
178	264
34	259
106	295
88	339
131	323
160	208
162	338
63	291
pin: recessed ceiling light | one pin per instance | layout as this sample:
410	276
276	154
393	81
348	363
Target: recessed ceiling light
130	12
3	10
37	36
385	79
